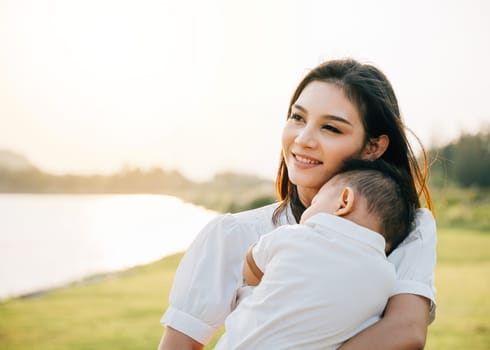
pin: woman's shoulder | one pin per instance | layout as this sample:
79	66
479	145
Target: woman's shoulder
424	227
262	217
425	222
420	245
256	214
255	221
238	230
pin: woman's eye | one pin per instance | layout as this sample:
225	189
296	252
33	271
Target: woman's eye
332	129
296	117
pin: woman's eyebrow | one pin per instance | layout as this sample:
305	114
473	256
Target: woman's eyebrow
325	116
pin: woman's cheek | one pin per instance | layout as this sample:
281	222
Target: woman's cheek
288	137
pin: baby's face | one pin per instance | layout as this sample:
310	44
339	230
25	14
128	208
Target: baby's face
325	201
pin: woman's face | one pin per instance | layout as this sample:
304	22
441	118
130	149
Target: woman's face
323	130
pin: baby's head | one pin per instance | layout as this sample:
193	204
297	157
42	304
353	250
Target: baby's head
373	194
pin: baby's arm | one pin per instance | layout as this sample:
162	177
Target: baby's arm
251	273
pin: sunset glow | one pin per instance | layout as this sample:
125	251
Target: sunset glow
203	86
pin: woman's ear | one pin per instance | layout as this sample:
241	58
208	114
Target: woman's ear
376	147
346	202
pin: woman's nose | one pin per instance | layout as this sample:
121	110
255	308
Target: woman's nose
306	138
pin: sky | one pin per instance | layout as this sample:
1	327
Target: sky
203	86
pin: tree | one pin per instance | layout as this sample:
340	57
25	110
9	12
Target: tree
465	161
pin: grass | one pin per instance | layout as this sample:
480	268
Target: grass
463	288
120	311
462	207
123	310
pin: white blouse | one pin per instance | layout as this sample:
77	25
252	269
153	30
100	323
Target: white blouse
209	284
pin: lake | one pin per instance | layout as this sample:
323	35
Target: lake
48	241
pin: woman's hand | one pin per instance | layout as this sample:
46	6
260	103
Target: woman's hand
403	326
172	339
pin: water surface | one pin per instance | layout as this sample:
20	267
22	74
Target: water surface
51	240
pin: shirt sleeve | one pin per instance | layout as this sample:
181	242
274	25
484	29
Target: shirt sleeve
260	251
415	260
207	278
268	245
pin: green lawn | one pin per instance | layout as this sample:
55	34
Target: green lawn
463	291
122	311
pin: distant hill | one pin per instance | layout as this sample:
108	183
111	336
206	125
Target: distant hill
225	192
14	162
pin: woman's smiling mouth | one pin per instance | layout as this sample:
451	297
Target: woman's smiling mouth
305	160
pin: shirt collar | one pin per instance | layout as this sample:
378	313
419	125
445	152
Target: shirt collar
328	223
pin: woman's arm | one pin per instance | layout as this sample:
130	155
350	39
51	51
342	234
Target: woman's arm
403	326
172	339
206	281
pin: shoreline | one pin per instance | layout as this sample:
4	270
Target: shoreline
85	281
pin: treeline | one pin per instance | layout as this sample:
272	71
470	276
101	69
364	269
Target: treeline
460	182
226	192
464	162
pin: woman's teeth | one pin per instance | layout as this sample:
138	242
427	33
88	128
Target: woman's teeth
306	160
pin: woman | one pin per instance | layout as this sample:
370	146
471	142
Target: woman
341	109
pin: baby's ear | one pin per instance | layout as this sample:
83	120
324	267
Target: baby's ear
345	202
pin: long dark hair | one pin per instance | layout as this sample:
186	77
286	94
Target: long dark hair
371	92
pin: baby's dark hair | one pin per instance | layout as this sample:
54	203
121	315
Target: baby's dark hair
389	194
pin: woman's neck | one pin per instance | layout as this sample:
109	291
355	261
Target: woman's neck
306	195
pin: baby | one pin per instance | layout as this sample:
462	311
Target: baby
324	280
